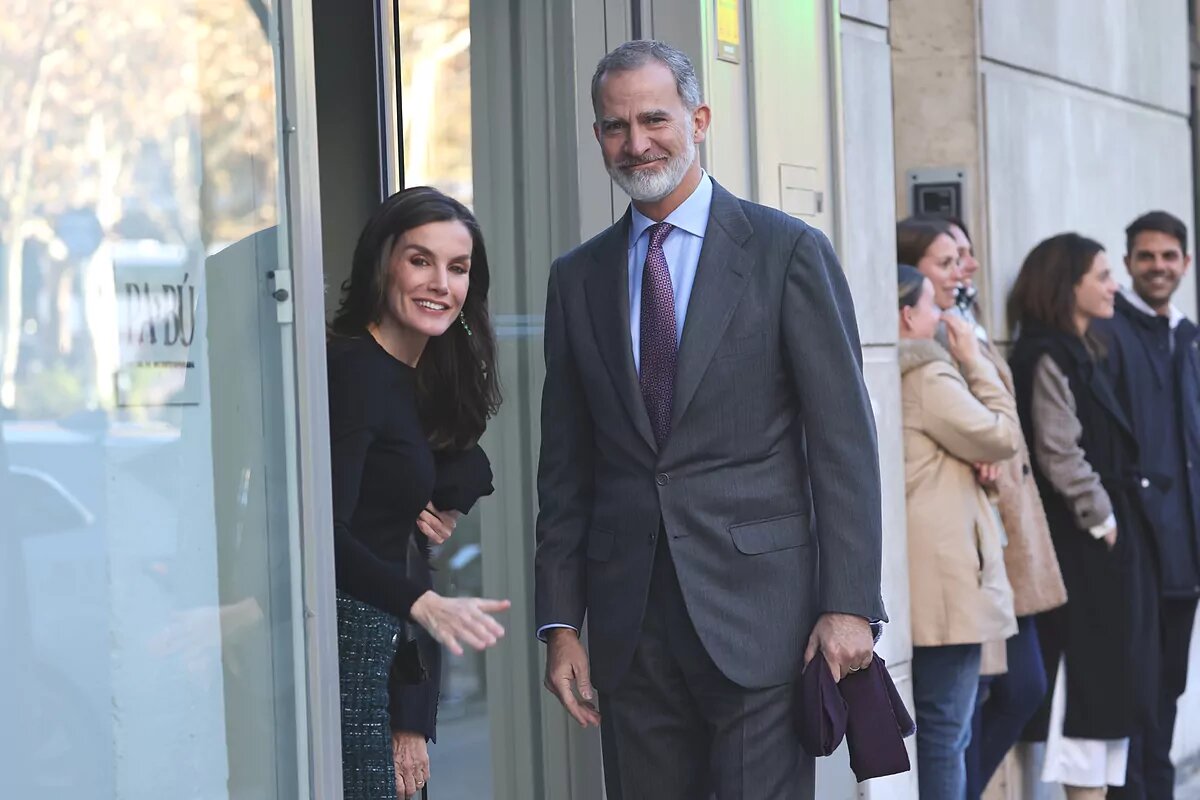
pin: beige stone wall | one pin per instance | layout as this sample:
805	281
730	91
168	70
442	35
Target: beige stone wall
1067	115
936	96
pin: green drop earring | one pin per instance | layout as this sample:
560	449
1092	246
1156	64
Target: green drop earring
463	319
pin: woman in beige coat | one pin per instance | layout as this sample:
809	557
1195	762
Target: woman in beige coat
957	413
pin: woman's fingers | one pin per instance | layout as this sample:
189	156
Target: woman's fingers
409	783
493	606
451	643
432	527
429	531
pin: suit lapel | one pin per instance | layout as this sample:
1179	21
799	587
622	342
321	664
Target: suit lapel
721	277
607	289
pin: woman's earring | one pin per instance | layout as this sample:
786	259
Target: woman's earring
463	319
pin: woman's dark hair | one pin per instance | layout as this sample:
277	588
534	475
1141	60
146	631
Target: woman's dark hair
1044	292
909	283
457	386
914	235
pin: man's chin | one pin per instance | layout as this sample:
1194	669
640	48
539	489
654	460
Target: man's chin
642	193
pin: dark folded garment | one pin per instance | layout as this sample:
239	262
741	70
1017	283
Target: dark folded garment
821	713
864	708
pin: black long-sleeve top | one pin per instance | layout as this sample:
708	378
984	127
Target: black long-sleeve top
384	474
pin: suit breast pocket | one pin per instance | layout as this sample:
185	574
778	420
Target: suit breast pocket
744	347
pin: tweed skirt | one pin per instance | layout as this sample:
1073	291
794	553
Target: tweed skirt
367	641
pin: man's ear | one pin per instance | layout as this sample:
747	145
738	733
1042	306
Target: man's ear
701	119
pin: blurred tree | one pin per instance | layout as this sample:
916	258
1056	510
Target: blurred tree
158	116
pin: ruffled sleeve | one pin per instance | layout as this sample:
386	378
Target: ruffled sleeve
463	476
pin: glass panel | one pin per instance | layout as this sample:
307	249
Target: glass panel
435	93
145	552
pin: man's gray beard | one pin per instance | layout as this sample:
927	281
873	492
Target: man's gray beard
650	187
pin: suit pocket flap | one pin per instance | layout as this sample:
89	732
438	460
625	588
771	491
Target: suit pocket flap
769	535
600	545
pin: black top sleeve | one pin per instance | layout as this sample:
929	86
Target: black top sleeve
462	478
356	412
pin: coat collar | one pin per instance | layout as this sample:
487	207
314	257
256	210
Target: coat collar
916	353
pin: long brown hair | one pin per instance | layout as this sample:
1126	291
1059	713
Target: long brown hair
457	386
915	234
1044	292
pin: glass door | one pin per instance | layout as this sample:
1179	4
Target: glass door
153	645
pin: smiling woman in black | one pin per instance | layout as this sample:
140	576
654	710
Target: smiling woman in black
411	367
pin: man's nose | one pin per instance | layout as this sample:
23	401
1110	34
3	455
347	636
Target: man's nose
638	142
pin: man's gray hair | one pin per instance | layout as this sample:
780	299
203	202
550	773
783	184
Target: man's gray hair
638	53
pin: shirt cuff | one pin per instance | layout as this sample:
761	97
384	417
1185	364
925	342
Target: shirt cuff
541	632
1102	530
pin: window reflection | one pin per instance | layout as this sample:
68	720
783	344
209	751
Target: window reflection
146	647
435	96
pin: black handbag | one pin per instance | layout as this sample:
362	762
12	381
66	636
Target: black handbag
408	666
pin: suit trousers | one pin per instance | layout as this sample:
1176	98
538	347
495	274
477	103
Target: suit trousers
675	728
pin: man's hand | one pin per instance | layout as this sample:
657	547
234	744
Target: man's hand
567	671
845	641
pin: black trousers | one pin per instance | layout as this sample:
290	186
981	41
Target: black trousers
677	729
1150	775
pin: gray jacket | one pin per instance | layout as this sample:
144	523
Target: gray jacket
769	381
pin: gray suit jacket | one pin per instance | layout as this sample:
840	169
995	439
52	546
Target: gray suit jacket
769	380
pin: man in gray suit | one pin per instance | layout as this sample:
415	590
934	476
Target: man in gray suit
701	354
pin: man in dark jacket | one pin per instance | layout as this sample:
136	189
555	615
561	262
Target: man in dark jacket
1152	351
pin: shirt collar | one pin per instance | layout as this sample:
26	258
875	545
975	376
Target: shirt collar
1175	315
691	216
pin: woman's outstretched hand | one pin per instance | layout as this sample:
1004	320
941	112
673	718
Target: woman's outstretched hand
454	619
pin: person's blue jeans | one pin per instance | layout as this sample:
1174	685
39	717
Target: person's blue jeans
945	682
1005	704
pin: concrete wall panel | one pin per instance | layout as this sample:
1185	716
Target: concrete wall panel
883	382
1132	48
1061	158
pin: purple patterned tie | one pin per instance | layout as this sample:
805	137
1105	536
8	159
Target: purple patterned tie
657	377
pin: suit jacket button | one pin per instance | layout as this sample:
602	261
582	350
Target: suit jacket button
662	479
1145	483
